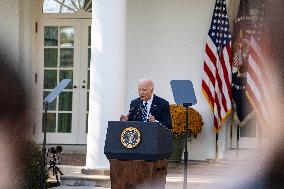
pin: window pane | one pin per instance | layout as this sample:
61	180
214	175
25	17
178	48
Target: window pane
67	6
51	106
50	6
65	101
50	35
50	57
66	57
67	36
50	79
64	122
66	74
88	5
51	122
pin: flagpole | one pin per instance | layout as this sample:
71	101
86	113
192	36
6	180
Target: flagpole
238	140
217	148
231	133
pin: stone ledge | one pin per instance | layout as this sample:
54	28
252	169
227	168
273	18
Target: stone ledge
97	171
86	180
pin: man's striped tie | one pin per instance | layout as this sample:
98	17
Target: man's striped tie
144	112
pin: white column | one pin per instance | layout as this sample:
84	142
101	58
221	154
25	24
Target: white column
107	85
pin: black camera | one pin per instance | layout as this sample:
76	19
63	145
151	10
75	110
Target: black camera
55	150
55	160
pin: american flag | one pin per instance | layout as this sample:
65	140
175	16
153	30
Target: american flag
241	44
257	88
216	82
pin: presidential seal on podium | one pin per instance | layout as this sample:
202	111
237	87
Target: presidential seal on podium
130	137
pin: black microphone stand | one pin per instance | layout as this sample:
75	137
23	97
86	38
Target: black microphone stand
186	105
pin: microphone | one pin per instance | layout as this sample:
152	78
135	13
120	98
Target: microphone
134	111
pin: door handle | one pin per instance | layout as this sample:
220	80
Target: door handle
83	87
74	86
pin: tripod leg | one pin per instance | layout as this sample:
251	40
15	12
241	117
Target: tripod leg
53	171
56	175
59	171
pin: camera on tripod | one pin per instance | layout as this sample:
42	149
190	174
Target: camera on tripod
55	160
55	150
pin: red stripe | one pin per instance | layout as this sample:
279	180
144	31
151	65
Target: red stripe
221	91
256	58
210	54
229	50
225	73
255	78
208	92
209	74
254	99
260	65
218	105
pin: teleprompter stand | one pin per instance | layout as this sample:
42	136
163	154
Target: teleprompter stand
54	93
183	93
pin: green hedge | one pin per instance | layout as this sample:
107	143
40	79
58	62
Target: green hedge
32	166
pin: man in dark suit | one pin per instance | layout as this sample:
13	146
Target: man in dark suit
148	107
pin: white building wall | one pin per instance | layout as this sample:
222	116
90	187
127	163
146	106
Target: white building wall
165	41
9	30
17	32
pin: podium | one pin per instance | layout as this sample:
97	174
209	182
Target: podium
138	154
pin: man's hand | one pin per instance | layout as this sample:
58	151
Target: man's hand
151	118
123	117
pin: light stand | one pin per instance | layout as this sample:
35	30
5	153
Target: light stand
43	162
186	105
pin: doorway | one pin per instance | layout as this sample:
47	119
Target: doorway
65	54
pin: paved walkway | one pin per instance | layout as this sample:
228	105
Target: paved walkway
201	174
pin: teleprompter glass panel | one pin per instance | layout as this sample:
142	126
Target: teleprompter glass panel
51	106
66	74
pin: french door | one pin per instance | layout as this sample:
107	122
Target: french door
65	54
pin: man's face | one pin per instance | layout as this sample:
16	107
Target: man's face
145	90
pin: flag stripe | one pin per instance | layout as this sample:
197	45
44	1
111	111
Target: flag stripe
208	93
209	74
257	80
210	54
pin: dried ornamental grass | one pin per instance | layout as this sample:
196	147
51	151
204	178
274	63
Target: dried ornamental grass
178	114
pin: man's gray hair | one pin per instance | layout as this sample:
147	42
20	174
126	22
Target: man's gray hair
148	81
